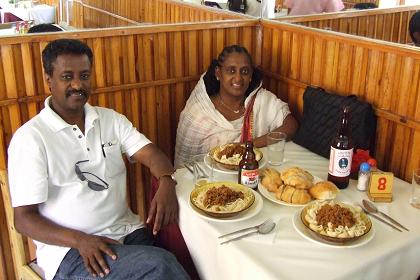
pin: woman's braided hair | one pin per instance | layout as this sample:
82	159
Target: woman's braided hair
213	85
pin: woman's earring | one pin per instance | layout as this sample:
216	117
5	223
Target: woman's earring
217	78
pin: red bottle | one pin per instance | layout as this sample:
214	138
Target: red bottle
248	167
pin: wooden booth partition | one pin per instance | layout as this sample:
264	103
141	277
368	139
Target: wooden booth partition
147	76
388	24
99	13
384	74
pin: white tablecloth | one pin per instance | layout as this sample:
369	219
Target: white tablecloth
38	13
287	255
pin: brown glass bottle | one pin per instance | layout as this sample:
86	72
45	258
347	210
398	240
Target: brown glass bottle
341	153
248	167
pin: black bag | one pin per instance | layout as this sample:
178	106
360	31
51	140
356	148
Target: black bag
237	6
321	117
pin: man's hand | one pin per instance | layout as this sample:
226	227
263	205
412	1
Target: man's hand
91	248
164	206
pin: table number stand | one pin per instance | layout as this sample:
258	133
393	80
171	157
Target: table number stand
380	186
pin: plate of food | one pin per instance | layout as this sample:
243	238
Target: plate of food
225	202
334	224
294	186
227	157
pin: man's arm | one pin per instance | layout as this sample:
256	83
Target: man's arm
164	206
29	222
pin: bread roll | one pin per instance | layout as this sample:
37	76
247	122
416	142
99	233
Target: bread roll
297	177
287	194
324	190
279	192
298	181
271	179
301	197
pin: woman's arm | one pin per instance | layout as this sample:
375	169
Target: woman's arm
289	126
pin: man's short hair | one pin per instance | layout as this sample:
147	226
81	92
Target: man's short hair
44	27
414	26
365	6
62	47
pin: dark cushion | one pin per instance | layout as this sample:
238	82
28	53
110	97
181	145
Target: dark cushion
322	113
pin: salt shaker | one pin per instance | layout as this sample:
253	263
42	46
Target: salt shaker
363	180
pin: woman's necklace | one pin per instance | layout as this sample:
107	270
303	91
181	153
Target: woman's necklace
227	107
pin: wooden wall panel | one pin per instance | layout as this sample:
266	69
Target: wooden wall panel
147	76
385	75
112	13
390	24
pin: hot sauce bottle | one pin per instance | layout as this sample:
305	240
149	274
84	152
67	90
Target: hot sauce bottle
248	167
341	153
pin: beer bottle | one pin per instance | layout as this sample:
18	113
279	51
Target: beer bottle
248	167
341	153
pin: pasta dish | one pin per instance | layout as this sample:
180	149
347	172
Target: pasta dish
222	198
335	219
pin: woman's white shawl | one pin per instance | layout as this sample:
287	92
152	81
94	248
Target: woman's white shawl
202	127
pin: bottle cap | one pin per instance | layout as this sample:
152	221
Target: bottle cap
365	167
372	162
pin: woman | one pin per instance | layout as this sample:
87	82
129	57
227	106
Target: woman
306	7
229	105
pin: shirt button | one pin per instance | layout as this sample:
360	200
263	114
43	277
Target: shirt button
74	128
80	136
88	149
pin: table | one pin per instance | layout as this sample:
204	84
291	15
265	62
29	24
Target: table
38	13
287	255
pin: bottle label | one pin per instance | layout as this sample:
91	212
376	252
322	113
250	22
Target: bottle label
340	162
249	178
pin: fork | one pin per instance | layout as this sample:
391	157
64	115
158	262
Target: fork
191	165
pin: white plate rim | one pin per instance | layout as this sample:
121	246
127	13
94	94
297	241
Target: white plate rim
307	234
217	168
249	213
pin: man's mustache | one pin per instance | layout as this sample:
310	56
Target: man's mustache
79	91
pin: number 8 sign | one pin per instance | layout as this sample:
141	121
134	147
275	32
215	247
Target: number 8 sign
381	182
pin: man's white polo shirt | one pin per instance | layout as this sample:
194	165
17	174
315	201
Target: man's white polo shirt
42	157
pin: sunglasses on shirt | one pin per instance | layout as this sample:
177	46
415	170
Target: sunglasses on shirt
91	184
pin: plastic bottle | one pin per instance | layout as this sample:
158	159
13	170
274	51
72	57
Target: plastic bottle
248	167
341	153
364	174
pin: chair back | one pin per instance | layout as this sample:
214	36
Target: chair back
24	270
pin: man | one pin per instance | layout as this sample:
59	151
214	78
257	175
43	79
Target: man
67	181
254	8
414	28
306	7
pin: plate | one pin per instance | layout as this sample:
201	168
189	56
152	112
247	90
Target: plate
271	196
200	193
214	152
218	168
309	235
251	212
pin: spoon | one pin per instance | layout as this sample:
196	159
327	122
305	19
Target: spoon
264	228
370	207
245	229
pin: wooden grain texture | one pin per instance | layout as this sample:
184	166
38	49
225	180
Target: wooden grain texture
384	74
113	13
388	24
145	73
